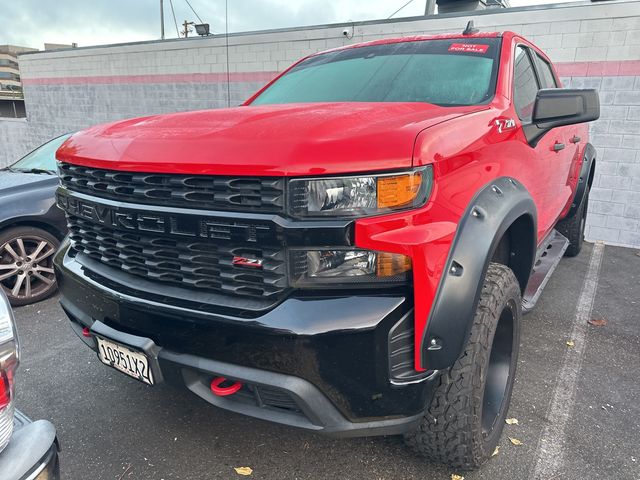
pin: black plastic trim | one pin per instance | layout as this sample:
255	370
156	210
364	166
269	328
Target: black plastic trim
401	347
318	412
584	180
346	335
489	215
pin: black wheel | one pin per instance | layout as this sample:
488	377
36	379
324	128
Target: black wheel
463	423
573	228
26	264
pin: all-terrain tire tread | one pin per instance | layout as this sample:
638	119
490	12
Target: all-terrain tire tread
450	432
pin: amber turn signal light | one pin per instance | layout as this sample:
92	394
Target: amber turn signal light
398	190
392	264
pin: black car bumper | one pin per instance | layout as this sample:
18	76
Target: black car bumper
323	364
32	453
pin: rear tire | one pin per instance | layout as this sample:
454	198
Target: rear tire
463	423
26	264
573	228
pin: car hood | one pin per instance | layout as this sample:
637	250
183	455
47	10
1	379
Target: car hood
18	182
293	139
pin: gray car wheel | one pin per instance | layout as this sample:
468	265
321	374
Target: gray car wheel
26	264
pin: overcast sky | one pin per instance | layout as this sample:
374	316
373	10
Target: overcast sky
33	22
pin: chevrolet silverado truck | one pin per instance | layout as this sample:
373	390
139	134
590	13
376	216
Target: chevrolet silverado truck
350	251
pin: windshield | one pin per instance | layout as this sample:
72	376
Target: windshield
42	158
443	72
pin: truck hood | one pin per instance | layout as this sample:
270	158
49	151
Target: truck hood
292	139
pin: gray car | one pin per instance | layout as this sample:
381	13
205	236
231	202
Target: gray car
31	225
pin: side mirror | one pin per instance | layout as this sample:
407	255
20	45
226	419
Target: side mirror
555	107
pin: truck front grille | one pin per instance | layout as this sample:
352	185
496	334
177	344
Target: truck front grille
259	194
185	262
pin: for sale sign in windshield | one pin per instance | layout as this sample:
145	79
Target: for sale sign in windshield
468	48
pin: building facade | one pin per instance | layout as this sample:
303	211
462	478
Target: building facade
10	84
11	97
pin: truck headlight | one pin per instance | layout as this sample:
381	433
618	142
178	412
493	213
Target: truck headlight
9	353
354	267
359	195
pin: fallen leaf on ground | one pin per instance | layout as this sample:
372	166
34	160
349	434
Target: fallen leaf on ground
512	421
597	322
243	470
456	477
570	343
495	452
515	441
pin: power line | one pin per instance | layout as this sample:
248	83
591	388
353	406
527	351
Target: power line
410	1
194	12
174	18
226	37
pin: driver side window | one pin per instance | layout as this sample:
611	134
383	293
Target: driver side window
525	85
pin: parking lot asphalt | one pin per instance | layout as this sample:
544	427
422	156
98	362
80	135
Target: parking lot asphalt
113	427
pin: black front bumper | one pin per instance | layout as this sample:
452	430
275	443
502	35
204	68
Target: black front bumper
32	452
319	363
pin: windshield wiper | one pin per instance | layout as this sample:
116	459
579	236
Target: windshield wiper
31	170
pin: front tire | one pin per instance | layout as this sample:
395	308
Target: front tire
463	423
26	264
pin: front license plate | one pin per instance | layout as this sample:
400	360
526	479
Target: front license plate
134	364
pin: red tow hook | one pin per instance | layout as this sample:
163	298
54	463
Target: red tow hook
86	332
224	391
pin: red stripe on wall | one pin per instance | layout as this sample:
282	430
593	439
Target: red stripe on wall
612	68
567	69
161	78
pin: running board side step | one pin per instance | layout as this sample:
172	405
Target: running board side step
547	258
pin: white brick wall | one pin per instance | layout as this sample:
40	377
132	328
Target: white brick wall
99	84
614	211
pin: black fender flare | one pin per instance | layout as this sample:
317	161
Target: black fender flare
493	210
585	179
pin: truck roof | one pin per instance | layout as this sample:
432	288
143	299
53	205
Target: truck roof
417	38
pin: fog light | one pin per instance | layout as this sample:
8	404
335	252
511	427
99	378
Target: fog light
332	268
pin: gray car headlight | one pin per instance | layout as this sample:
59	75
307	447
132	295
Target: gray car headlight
359	195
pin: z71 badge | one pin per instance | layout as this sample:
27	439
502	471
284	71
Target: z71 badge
505	124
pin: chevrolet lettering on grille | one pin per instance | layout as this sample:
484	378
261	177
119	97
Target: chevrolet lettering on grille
179	225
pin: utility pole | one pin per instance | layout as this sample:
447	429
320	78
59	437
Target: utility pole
161	19
430	7
186	30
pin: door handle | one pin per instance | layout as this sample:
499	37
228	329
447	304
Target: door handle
575	139
558	146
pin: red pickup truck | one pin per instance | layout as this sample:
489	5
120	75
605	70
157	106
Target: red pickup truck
350	251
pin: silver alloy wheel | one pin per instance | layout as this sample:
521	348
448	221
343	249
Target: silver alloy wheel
26	266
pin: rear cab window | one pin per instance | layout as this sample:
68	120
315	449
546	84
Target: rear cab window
445	72
547	78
